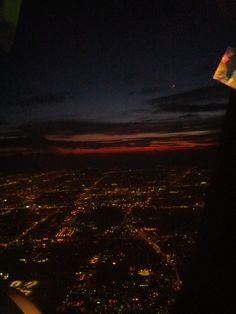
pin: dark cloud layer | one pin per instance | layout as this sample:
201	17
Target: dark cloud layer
73	127
173	107
207	99
190	127
46	136
35	100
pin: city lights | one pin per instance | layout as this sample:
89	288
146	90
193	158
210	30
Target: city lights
112	225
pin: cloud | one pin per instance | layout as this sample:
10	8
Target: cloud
49	136
73	127
20	140
35	100
207	99
70	128
173	107
189	116
153	89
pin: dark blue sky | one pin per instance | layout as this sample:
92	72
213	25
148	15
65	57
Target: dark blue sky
113	75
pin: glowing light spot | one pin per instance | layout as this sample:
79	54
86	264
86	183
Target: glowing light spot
145	272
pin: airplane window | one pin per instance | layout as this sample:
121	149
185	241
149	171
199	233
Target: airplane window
110	124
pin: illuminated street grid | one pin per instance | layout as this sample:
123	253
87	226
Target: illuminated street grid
100	241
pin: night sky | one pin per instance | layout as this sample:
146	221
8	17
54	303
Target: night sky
113	76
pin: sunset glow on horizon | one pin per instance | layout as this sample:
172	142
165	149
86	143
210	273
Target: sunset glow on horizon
163	147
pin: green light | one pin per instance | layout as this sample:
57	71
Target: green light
11	11
9	15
